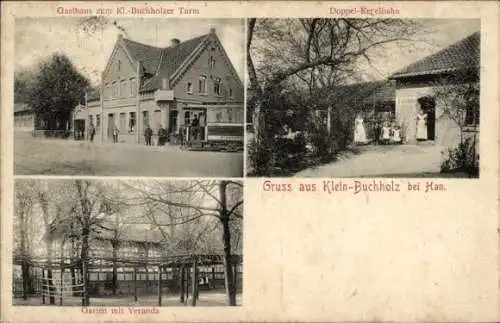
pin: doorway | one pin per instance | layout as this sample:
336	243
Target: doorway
172	121
428	105
111	124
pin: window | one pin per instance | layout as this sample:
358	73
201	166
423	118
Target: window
97	121
133	87
145	118
187	121
230	92
124	88
229	112
115	90
118	65
107	91
131	122
122	122
217	86
202	84
189	88
211	62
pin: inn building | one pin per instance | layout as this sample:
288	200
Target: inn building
144	85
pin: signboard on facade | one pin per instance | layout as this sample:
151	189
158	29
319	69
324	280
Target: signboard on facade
164	95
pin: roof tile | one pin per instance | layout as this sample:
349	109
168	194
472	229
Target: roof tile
462	54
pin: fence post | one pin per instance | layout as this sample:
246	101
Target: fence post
61	286
181	284
159	285
43	285
135	284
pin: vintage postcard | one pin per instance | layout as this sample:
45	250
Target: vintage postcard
262	161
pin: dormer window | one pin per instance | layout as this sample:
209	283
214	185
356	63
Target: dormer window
211	62
189	88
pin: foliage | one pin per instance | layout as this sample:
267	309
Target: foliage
290	152
292	65
56	89
463	159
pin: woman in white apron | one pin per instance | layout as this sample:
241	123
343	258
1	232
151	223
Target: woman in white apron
359	131
421	126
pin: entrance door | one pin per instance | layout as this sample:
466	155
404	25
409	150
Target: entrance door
428	104
172	121
111	123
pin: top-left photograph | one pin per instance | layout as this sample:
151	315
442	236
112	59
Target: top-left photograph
97	96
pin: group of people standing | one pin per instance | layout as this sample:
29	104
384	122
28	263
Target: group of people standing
162	136
387	132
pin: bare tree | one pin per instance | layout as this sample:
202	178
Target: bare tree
310	55
192	203
24	204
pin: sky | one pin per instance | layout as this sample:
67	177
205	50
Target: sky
38	38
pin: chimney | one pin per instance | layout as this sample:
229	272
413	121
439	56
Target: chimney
212	30
174	42
164	84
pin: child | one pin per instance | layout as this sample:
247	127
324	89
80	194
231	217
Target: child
385	135
396	134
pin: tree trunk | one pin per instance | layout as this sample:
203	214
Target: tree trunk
84	256
159	286
52	298
226	237
25	268
114	281
194	282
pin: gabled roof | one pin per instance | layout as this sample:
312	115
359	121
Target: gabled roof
162	63
464	54
171	59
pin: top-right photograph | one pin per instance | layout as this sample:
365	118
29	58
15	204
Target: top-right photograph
363	98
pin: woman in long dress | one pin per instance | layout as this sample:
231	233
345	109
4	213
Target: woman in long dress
421	126
359	131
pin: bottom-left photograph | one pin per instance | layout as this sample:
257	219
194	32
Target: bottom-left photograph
88	242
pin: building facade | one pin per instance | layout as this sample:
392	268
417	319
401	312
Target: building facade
418	85
143	86
23	117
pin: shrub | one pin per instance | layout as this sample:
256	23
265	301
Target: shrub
290	153
462	159
260	158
